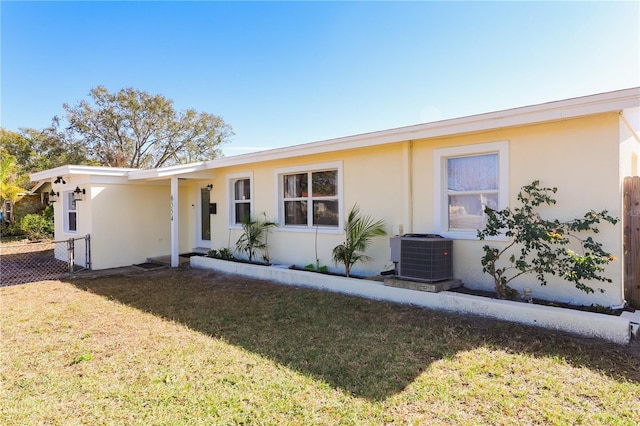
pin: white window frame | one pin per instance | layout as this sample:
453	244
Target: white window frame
67	196
231	180
309	168
440	178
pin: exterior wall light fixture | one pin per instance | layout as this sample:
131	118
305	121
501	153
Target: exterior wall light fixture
78	194
53	196
210	186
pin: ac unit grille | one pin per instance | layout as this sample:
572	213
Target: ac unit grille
425	259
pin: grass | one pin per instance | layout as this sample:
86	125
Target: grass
13	239
197	347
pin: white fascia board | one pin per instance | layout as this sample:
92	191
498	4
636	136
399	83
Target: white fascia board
534	114
169	171
551	111
68	170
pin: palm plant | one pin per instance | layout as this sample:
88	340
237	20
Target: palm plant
359	231
253	238
9	189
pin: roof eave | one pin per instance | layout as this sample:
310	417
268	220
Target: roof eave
70	170
168	172
534	114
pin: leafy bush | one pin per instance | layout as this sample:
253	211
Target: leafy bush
223	253
359	231
47	213
316	267
37	227
539	246
11	229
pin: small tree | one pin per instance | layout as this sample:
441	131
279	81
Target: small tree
254	237
359	231
539	246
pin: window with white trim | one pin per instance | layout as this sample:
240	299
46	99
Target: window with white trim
310	197
70	212
240	198
468	179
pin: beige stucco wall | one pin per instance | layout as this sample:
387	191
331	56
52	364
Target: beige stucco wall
83	211
579	156
129	221
372	178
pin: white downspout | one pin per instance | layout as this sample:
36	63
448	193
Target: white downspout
407	177
175	240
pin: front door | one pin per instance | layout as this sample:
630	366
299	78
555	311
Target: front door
204	219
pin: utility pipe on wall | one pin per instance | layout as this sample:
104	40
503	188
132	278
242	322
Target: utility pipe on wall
407	185
175	239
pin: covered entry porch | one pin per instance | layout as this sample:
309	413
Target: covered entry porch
190	208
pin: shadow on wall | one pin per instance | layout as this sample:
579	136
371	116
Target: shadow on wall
368	348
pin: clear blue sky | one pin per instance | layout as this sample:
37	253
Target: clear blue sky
285	73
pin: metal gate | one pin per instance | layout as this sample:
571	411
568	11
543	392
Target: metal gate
24	263
631	224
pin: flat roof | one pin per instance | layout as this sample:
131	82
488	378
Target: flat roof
549	111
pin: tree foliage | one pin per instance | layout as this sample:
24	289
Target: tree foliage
9	176
132	128
54	146
541	246
37	150
359	231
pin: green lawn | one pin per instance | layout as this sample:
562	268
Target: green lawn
197	347
14	239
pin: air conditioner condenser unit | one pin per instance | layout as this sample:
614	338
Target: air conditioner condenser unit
422	257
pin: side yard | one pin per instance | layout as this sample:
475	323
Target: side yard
183	346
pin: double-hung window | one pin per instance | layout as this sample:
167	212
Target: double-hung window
70	213
310	197
240	190
467	180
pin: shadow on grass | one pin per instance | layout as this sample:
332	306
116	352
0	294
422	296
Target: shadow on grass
369	348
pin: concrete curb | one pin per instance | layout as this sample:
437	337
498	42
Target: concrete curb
608	327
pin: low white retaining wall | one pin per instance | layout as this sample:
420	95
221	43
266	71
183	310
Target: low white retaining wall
612	328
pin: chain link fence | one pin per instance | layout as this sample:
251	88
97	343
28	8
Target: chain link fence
25	263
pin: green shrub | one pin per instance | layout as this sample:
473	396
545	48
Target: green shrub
224	253
48	213
37	227
11	229
316	267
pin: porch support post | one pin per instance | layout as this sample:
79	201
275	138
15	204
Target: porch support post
175	262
